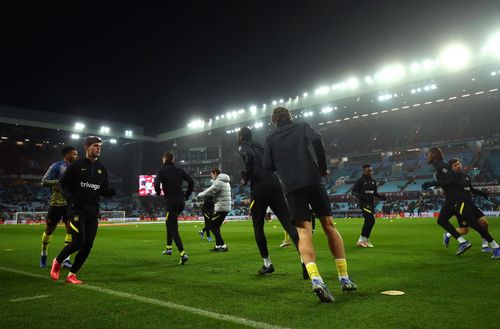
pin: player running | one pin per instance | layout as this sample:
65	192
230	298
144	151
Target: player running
365	190
466	183
83	184
456	203
287	153
170	178
221	191
266	192
57	205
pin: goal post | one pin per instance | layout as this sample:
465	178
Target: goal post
112	216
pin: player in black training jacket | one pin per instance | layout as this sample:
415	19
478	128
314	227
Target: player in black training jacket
265	190
466	183
170	177
287	152
456	201
365	190
83	184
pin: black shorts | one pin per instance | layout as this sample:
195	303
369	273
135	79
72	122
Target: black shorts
56	214
304	201
467	208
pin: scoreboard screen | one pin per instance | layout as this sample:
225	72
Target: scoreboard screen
147	185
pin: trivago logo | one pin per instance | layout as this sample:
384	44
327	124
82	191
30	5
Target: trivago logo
95	187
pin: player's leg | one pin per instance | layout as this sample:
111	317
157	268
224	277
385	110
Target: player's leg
168	234
483	221
173	228
466	210
67	238
447	211
258	207
215	226
286	240
50	227
90	224
313	223
320	204
78	236
301	217
369	222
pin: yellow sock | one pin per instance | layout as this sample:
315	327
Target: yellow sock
341	265
287	237
313	272
67	239
45	243
183	253
169	246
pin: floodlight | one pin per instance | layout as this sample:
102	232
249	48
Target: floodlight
79	126
322	90
391	73
104	130
493	45
455	56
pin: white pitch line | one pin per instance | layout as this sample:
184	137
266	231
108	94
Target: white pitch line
153	301
28	298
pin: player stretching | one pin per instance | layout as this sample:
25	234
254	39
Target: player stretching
221	191
456	202
57	208
265	191
365	189
463	229
287	152
170	177
84	182
207	210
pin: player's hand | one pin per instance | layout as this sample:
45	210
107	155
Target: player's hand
324	173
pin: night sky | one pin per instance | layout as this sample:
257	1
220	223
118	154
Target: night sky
165	62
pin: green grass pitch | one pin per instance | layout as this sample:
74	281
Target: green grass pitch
146	288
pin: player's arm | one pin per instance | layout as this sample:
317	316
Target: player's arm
319	148
356	190
157	184
268	156
212	190
190	182
428	185
376	194
49	177
477	191
248	158
66	183
107	191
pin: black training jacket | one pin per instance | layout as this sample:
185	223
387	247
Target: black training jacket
260	179
83	184
466	184
208	205
449	182
288	152
170	177
365	189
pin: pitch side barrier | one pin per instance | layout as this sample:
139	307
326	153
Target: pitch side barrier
135	220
